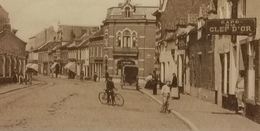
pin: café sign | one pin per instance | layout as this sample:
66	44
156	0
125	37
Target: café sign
240	26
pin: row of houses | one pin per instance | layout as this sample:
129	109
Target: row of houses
67	45
12	50
208	66
127	36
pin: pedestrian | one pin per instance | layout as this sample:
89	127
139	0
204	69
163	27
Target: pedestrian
21	78
106	76
174	86
57	68
13	74
51	73
154	83
81	75
148	80
240	88
166	95
28	76
95	76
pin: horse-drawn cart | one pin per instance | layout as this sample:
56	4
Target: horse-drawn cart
129	76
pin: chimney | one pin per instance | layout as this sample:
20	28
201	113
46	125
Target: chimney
14	31
7	28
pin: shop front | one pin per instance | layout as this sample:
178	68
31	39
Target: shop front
250	50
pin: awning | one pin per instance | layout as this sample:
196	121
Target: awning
28	65
71	66
32	66
54	65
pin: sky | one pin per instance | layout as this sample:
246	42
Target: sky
32	16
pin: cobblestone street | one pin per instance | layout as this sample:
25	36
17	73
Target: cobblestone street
62	104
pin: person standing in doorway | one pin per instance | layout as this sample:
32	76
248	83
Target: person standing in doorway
240	88
154	82
174	85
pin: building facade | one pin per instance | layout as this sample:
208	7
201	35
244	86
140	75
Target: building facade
12	55
129	35
175	20
96	55
12	50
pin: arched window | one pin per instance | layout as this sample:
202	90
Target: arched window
127	12
126	39
118	39
134	39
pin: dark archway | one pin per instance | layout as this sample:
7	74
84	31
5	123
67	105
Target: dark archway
123	62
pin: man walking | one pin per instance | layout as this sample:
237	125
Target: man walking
166	95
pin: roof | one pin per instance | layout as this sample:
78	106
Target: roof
2	34
48	46
2	9
98	35
138	10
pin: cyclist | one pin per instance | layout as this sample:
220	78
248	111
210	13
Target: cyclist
110	90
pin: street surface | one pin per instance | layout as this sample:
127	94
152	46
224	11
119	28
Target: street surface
62	104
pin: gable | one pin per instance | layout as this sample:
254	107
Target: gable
12	44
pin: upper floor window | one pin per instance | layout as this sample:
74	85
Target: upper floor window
101	51
134	36
126	39
127	12
118	38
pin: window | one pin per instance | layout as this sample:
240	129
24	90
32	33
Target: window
96	51
92	48
126	39
118	39
101	51
127	12
134	39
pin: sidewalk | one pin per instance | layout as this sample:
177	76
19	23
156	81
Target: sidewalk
204	116
6	88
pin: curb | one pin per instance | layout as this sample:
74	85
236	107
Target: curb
181	117
19	88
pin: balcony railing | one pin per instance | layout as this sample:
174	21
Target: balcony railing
118	51
123	17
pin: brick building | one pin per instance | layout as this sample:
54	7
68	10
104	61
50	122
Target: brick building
129	35
12	50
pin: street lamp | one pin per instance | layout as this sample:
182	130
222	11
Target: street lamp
106	58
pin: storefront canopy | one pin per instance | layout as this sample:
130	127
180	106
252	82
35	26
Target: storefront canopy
54	65
71	66
32	66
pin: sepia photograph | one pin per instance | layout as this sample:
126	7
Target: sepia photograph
129	65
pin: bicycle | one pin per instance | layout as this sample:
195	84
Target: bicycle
118	99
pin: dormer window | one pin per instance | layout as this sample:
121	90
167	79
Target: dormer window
127	12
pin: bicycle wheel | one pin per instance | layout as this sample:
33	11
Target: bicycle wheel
102	96
119	100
